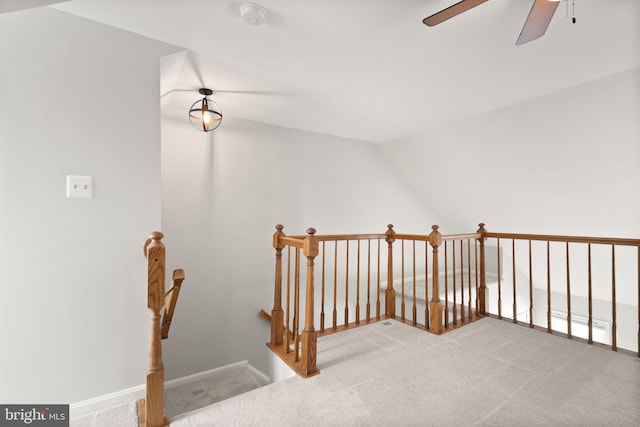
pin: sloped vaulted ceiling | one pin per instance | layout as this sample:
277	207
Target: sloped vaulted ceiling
370	70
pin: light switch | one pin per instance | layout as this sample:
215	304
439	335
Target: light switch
79	186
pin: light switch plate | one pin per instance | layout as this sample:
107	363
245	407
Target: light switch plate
79	186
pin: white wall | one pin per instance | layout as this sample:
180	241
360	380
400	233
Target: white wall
565	163
562	163
223	194
75	98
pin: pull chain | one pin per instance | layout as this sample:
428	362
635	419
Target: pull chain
573	10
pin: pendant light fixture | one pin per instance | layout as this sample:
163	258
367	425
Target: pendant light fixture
205	114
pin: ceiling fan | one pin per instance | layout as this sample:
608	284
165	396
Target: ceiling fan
534	27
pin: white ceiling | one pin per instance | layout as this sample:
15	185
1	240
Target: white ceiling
13	5
370	69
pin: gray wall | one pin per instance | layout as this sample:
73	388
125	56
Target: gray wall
76	98
223	194
563	163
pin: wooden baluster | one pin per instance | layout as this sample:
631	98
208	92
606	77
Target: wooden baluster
548	288
569	335
276	314
287	327
296	307
590	300
346	289
426	285
475	265
415	315
462	314
513	273
322	294
335	285
614	326
499	283
368	280
358	286
483	293
309	334
378	287
435	309
446	285
390	294
402	312
530	287
152	413
469	275
454	285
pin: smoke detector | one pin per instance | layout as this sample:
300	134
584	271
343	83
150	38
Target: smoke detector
253	14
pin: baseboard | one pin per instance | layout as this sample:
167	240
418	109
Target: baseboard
204	374
262	377
121	397
132	394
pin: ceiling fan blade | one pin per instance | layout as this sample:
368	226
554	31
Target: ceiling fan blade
538	20
451	11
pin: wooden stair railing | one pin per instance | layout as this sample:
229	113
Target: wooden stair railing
171	300
302	357
151	408
558	256
453	291
296	348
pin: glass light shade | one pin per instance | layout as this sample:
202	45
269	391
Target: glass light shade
205	115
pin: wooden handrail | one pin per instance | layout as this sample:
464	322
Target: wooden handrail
468	236
564	239
342	237
171	300
151	408
265	315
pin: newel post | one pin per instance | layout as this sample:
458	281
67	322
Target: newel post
435	306
277	315
483	292
154	403
390	294
309	334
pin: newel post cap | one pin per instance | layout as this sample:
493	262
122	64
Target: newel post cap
154	240
276	237
310	246
435	238
390	234
482	231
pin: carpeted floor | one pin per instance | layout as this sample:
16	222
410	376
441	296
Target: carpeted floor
181	399
489	373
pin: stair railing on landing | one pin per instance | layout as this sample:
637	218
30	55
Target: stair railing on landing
435	282
151	409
